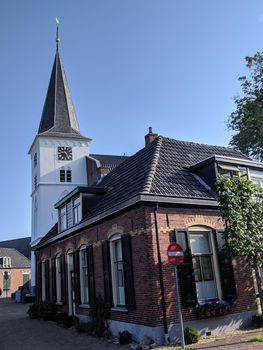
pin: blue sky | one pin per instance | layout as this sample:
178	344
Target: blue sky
130	64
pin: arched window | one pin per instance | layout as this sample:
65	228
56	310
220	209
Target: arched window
43	280
58	278
117	270
84	277
205	263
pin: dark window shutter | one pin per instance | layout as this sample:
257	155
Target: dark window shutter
128	272
226	269
107	273
39	282
47	279
90	264
54	284
64	294
185	270
76	277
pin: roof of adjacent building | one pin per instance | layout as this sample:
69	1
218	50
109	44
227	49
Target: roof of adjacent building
109	161
161	169
22	245
18	260
58	116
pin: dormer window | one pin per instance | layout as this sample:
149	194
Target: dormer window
5	261
69	214
256	177
76	210
229	170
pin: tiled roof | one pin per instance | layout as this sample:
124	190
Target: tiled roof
17	259
58	116
20	244
109	161
160	169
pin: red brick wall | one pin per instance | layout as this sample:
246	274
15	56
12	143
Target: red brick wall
140	224
16	279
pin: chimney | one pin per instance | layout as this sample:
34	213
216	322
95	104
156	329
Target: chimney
150	137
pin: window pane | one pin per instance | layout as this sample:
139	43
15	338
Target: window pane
69	214
197	269
207	268
62	175
76	201
68	175
199	243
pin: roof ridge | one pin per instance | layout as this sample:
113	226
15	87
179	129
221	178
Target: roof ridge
204	144
153	165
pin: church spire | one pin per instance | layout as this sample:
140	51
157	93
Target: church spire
58	116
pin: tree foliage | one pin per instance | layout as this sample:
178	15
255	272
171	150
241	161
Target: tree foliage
241	204
247	119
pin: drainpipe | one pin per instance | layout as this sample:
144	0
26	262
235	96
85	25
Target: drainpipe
166	336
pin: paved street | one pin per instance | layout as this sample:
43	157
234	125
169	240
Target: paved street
20	333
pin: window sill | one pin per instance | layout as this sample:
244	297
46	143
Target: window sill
119	309
59	303
84	306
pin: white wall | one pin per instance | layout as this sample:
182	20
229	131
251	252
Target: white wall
49	189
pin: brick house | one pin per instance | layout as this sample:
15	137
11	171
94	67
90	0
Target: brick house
101	225
15	271
107	237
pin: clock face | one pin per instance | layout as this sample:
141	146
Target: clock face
64	153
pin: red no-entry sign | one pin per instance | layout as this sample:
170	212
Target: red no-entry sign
175	254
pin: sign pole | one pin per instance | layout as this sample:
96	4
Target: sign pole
176	257
179	308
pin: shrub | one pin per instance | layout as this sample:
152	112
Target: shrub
47	310
99	314
33	311
257	320
59	317
191	335
125	337
68	321
85	327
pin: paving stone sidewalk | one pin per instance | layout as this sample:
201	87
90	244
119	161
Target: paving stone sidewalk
20	333
236	342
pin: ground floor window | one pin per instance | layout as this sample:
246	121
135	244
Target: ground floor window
117	271
204	264
25	278
43	280
6	281
58	278
84	277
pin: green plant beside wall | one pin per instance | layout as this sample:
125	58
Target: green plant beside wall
241	205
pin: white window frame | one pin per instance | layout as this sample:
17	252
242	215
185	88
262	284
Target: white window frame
6	261
256	176
73	209
84	277
76	208
214	258
118	292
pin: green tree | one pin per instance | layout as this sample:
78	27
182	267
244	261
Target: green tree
247	119
241	205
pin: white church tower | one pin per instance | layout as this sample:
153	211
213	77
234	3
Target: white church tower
58	156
